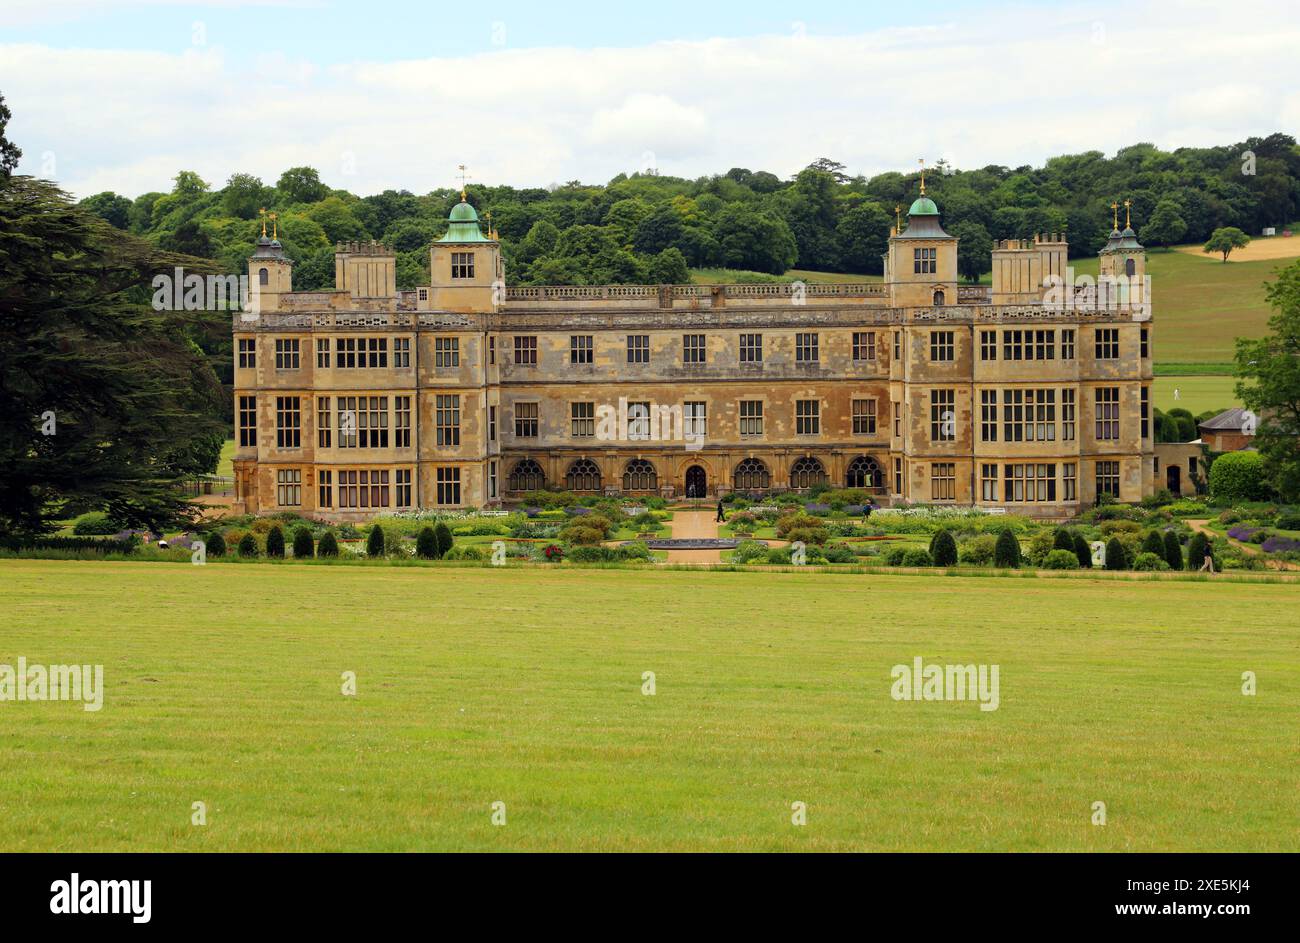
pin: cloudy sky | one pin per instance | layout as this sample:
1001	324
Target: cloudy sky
120	94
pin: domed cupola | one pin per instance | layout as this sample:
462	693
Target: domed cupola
462	223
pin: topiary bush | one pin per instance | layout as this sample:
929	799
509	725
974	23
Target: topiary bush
943	549
329	545
894	556
248	545
1150	561
375	542
216	544
1238	476
917	556
442	533
1153	543
304	548
1006	552
978	550
1061	560
426	544
749	551
1173	551
1063	539
95	524
275	542
1116	558
1082	552
465	552
1196	550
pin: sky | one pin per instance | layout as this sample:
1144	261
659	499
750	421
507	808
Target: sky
121	94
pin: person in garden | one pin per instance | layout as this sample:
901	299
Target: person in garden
721	518
1209	560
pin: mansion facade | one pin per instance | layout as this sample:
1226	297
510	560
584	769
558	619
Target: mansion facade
468	393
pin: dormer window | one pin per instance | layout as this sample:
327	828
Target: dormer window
924	261
462	265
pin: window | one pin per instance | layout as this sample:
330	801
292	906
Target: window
377	350
363	422
898	345
1108	479
1067	416
1069	482
1146	412
286	354
807	472
580	348
1067	344
941	346
288	487
805	348
693	348
943	424
864	345
1107	343
639	475
1145	343
695	414
1029	415
638	421
751	475
989	481
402	486
492	348
938	298
988	345
1013	415
525	420
1044	414
582	419
924	261
898	476
323	431
351	352
364	489
322	353
247	352
898	418
1107	409
807	417
248	421
492	423
462	265
751	348
447	481
864	472
401	353
751	417
1029	481
638	348
526	350
943	481
423	294
263	277
584	475
325	488
492	480
526	476
1044	345
402	422
446	421
988	415
288	423
446	352
864	417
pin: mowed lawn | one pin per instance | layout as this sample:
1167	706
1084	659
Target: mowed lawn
524	686
1196	393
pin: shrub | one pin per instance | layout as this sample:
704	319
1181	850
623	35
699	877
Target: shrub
894	556
796	521
1196	549
811	536
1288	521
1061	560
1082	552
465	552
303	545
426	544
329	545
95	524
1006	552
1153	543
1040	545
248	545
578	534
635	550
1114	528
375	542
1150	561
216	544
442	533
747	551
944	549
1063	539
275	542
978	550
779	555
840	553
1238	476
917	556
1173	551
1116	558
646	521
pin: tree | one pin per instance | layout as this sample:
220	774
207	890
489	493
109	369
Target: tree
1062	539
301	185
1006	552
9	152
1165	227
302	544
1173	551
974	250
442	533
658	231
244	195
375	541
248	545
943	548
1116	558
1197	548
111	208
755	240
88	421
1268	372
426	544
215	544
275	542
669	268
1226	239
863	236
1153	543
1082	552
329	545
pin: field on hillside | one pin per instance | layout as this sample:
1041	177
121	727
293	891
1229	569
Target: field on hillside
524	687
1196	393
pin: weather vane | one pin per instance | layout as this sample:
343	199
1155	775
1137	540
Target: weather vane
275	225
463	177
921	161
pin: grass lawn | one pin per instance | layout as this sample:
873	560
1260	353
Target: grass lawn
225	464
524	686
1196	393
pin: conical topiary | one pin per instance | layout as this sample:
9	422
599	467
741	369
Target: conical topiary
303	546
426	544
275	542
1006	552
375	542
329	545
1173	551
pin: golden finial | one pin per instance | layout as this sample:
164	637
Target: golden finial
488	217
1128	222
275	225
1114	212
921	161
463	177
262	213
898	218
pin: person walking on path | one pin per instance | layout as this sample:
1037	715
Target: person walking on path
1209	561
721	518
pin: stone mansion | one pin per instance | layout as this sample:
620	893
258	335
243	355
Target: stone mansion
366	399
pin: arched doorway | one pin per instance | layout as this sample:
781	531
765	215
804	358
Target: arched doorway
697	482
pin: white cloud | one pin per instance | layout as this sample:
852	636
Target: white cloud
1013	85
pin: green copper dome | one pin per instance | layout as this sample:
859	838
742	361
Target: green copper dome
463	213
924	206
463	225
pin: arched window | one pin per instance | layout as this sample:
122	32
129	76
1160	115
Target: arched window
752	475
263	276
864	472
807	472
1130	267
938	298
639	475
583	475
527	475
